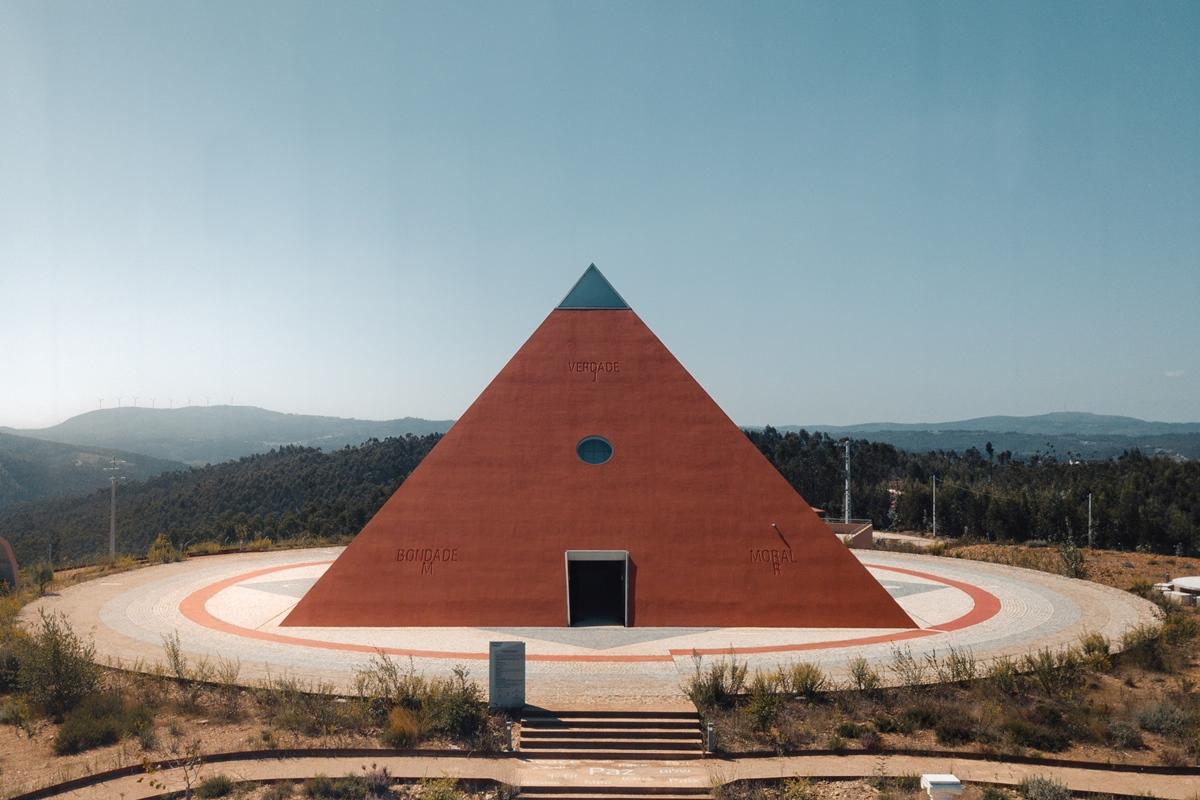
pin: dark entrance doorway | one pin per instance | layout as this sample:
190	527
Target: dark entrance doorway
596	592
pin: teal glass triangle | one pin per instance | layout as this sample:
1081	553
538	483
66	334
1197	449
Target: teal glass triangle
592	290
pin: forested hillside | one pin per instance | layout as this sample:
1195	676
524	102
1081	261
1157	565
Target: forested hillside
1148	503
31	469
1138	502
283	494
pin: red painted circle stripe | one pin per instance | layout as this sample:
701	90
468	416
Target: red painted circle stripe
194	607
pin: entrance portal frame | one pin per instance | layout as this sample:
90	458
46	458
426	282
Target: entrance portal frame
598	555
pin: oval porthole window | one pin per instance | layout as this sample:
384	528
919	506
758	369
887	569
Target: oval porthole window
594	450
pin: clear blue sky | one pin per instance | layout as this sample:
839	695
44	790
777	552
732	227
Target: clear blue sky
831	213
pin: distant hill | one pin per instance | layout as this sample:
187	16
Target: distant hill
32	469
1023	445
1059	423
200	435
1066	433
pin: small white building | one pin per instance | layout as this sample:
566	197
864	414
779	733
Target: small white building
1185	591
941	787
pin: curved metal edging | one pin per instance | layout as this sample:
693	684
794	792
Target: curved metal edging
369	752
248	755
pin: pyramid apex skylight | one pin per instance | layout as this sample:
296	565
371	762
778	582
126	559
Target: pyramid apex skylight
592	291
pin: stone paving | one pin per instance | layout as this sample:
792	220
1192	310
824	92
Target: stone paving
230	607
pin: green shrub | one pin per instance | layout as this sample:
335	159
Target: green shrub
1165	718
1164	647
206	548
455	706
147	738
448	706
806	679
81	732
1074	565
14	712
1043	789
323	787
311	709
1141	646
440	789
1120	733
764	701
10	607
863	677
850	730
10	666
386	686
796	789
100	720
894	723
379	782
1005	674
161	551
1095	648
1055	671
57	670
954	730
1144	589
279	791
216	786
42	575
404	728
908	669
992	793
716	686
1180	627
959	666
1037	736
921	716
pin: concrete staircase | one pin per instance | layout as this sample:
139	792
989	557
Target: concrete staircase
611	734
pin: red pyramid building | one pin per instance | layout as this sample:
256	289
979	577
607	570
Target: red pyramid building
595	482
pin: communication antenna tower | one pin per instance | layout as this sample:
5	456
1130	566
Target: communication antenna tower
935	506
846	499
1090	535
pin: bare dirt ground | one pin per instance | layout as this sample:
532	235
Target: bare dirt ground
27	757
1109	567
27	762
866	790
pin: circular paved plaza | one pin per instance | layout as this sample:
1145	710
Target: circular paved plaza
231	606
